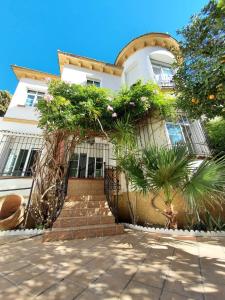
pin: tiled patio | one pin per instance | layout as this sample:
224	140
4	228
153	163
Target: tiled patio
135	265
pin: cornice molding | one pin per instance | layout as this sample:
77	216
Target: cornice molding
22	72
21	121
147	40
88	63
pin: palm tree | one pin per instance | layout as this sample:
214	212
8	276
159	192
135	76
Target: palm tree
170	171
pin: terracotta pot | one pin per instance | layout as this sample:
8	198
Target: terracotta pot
11	211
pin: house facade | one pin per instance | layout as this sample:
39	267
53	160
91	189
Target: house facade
148	57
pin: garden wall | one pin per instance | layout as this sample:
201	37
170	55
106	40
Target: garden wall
147	214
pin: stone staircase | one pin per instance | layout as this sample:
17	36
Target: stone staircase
85	213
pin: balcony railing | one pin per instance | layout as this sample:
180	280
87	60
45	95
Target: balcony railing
165	81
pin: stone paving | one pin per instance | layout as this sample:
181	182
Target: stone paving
135	265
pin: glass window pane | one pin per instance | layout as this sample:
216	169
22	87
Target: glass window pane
31	161
175	133
82	165
30	100
167	71
99	167
89	82
91	167
10	162
20	162
156	70
31	92
97	83
73	165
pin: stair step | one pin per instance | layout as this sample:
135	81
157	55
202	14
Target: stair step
81	197
85	212
83	221
82	232
86	204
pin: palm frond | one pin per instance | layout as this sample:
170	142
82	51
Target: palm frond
165	167
123	135
207	185
131	165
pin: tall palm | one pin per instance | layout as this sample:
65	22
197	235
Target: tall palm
172	171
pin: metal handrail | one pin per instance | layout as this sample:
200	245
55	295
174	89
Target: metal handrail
111	188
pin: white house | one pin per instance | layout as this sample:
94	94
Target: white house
148	57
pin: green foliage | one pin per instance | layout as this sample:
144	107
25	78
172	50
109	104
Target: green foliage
170	171
216	133
206	187
140	98
5	98
200	76
72	107
123	138
76	107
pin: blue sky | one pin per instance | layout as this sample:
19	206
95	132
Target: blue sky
32	31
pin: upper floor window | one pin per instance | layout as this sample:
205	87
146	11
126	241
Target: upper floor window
33	97
163	74
93	82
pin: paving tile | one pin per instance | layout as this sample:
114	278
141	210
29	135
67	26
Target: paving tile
139	291
64	290
90	295
13	266
15	293
37	285
133	266
214	291
112	282
194	289
173	296
151	276
24	274
4	284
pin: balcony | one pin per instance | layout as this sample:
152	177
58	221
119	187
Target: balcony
165	81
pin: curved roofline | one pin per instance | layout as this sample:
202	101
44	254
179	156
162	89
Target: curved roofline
160	39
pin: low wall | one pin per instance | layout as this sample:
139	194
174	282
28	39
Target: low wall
146	213
15	183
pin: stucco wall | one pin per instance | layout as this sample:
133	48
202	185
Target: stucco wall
80	75
146	212
19	98
138	65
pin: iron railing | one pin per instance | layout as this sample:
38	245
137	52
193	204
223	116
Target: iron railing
112	188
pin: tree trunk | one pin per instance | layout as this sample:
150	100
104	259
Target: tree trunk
50	174
130	208
170	214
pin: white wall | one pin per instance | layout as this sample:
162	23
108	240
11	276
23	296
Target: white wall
78	75
138	65
12	183
19	98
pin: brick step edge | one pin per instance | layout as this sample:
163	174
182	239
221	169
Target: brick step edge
84	193
59	234
85	212
93	197
67	222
